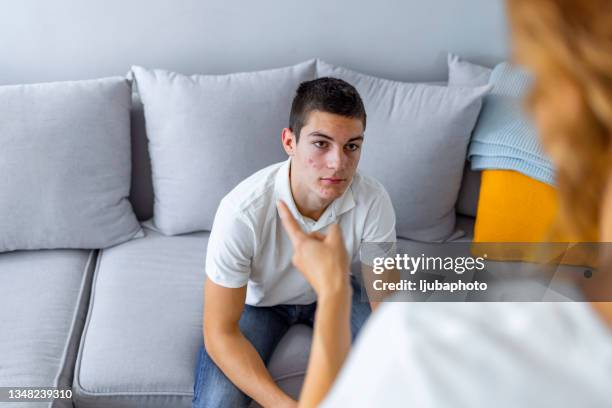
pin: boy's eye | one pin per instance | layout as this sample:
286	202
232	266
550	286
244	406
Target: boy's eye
320	144
352	146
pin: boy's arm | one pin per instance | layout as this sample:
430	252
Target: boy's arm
232	352
380	241
369	278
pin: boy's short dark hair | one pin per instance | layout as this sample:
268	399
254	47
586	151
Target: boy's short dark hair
325	94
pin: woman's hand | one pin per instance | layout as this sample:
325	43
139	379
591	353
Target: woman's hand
324	262
322	259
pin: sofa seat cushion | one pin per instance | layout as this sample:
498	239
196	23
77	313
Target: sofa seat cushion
43	301
290	359
141	340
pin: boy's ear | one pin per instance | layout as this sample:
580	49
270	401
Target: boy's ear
289	141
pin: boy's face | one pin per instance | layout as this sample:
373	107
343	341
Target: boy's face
325	159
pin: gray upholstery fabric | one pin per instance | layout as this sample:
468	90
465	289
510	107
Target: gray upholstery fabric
290	359
464	73
43	301
65	165
144	326
208	132
141	191
415	145
467	203
466	225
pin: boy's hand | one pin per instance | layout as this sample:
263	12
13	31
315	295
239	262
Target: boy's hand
322	259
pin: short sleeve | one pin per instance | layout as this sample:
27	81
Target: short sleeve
230	249
380	221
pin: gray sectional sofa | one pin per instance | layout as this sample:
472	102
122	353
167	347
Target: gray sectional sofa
117	317
122	324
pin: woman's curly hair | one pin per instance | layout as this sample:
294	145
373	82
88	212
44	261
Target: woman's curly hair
567	45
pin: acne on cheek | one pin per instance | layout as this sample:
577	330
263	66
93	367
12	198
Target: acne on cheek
312	163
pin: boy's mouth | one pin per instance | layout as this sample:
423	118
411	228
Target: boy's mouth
332	180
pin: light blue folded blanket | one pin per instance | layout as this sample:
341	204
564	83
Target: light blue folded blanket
504	137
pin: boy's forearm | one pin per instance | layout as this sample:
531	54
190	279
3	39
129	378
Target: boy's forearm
369	277
240	362
330	345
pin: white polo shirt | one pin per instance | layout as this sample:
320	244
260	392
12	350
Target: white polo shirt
248	245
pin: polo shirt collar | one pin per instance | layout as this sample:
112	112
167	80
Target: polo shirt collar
339	206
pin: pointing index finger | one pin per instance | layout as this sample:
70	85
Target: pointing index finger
289	223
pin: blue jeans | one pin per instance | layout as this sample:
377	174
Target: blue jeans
263	327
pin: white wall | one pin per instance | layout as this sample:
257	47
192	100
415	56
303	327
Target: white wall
408	40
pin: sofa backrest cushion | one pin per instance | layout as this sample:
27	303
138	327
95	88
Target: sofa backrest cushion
141	192
415	145
465	73
206	133
65	165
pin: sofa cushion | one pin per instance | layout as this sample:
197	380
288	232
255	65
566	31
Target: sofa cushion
141	190
465	73
65	165
467	202
415	145
290	359
516	208
144	327
209	132
43	301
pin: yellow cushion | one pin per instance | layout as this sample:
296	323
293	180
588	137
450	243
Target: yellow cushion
514	208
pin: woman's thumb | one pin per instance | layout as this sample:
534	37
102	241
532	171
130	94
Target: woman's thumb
334	234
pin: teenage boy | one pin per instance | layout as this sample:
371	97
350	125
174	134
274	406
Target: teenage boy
253	293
